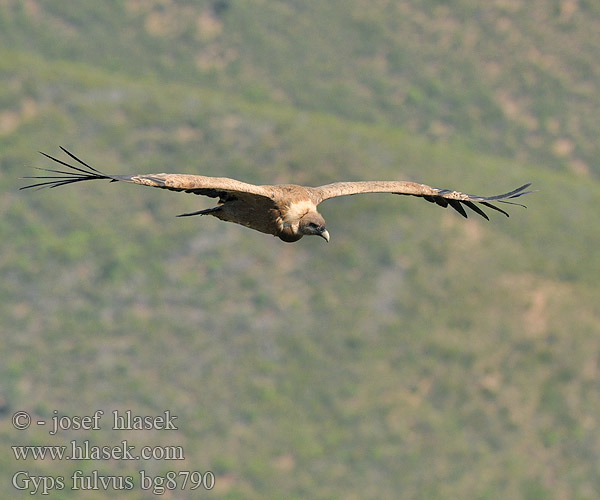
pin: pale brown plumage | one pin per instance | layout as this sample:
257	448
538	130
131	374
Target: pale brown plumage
287	211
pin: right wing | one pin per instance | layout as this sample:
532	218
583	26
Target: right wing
442	197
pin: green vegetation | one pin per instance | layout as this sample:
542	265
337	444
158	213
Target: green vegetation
417	355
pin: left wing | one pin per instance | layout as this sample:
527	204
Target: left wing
442	197
214	187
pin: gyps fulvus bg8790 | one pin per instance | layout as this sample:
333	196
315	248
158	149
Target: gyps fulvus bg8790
287	211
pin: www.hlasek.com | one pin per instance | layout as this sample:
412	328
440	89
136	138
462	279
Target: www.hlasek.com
23	480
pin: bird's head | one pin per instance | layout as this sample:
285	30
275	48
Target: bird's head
313	223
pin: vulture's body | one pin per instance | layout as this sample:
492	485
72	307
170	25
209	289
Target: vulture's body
287	211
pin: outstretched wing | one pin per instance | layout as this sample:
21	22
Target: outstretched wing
443	197
215	187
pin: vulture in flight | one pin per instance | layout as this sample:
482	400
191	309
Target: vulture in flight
287	211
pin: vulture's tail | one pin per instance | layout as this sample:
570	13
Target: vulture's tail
84	172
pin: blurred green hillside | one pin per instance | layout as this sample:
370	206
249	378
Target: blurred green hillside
417	355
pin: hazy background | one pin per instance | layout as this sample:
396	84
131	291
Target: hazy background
417	355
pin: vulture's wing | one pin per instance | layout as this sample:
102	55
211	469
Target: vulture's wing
442	197
215	187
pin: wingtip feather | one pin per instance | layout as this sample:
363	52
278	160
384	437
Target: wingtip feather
73	174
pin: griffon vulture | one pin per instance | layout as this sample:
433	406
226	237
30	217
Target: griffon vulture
287	211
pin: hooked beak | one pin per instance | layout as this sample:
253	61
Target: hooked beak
325	235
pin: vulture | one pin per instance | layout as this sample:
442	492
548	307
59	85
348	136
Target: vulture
287	211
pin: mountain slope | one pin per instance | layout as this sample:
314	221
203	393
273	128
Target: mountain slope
417	355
